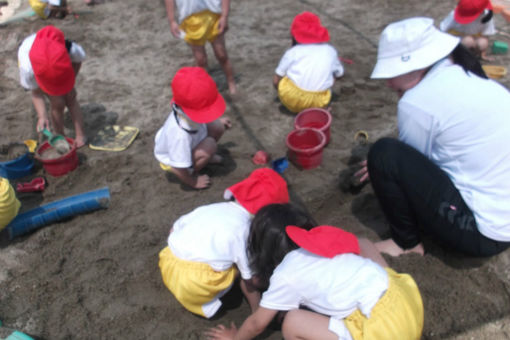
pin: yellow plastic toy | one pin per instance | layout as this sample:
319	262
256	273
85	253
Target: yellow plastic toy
494	72
9	204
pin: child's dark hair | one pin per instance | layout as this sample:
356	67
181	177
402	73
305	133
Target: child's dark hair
461	56
487	16
268	242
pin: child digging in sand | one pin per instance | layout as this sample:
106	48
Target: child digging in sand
187	141
200	21
206	249
48	66
308	70
346	296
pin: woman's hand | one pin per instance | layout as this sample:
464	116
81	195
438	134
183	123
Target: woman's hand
362	173
221	332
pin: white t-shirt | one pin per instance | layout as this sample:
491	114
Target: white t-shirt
187	7
475	27
26	72
331	286
461	122
174	145
215	234
312	67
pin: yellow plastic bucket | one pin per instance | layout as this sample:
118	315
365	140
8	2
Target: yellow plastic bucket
9	204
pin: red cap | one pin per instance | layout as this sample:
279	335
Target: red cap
51	63
306	28
196	93
325	240
264	186
468	10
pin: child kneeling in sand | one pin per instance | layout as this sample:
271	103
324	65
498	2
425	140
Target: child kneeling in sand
308	70
187	141
473	21
347	296
48	67
207	247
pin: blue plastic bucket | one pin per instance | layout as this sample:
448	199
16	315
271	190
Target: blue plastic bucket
17	168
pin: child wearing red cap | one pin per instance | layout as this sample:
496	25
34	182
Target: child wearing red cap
200	21
207	247
347	295
308	70
473	21
187	141
48	66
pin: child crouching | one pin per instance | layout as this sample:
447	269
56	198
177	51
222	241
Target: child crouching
187	141
207	247
308	70
347	295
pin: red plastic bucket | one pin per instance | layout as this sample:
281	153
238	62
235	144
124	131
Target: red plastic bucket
314	118
61	165
305	147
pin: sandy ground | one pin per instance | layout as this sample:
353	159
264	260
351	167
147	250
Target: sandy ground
96	275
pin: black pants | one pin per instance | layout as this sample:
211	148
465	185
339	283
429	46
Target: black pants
415	194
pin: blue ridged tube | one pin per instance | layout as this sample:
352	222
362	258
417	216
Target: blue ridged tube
57	211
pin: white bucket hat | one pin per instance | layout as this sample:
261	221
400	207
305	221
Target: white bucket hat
410	45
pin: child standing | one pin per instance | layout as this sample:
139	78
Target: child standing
348	296
187	141
473	21
308	70
48	66
200	21
207	247
49	8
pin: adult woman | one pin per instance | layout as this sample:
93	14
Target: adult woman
449	172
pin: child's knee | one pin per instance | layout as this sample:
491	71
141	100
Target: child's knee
206	148
215	129
468	41
482	43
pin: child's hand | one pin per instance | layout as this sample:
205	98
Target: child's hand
42	123
221	332
226	122
203	181
175	29
223	24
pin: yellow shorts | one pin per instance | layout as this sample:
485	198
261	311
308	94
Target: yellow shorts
39	8
195	285
165	167
296	99
397	315
9	204
458	34
201	27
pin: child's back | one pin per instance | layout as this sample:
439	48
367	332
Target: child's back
214	234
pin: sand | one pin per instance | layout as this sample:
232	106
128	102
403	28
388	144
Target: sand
96	275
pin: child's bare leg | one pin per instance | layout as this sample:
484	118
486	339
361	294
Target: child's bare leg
482	44
391	248
305	325
220	51
203	153
57	106
216	129
77	117
200	55
369	250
